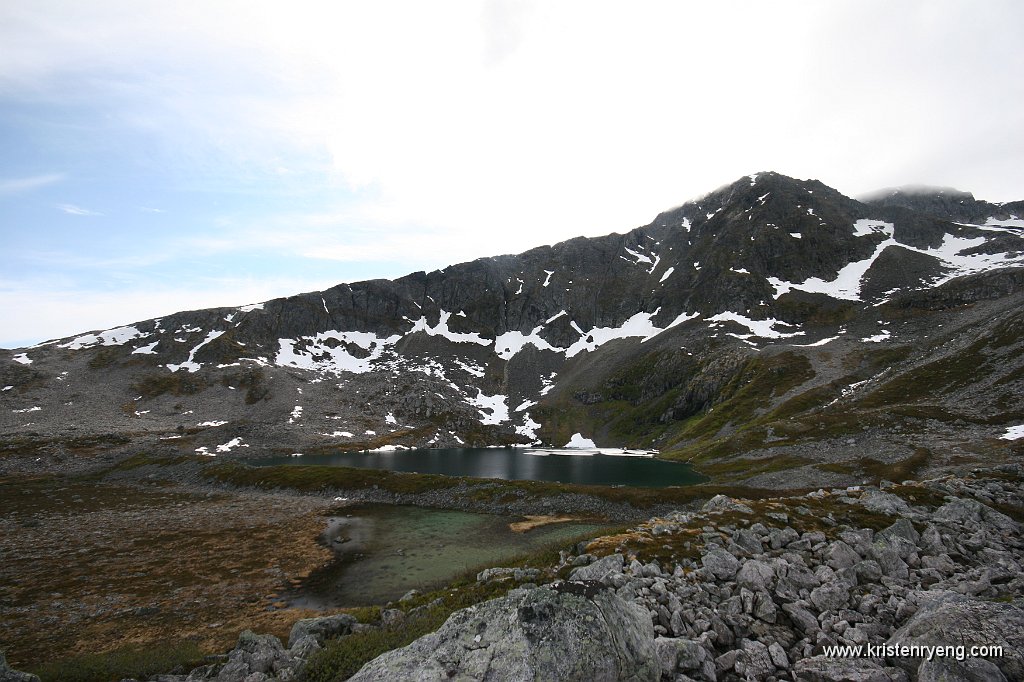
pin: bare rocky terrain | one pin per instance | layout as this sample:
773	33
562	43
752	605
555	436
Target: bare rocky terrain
801	349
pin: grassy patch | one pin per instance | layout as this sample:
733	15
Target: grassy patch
125	662
316	478
175	383
79	445
902	470
321	478
730	469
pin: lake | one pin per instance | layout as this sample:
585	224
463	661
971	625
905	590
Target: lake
584	467
383	551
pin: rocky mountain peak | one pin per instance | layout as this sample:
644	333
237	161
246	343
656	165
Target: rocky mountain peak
666	316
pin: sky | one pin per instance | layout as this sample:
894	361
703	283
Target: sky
166	156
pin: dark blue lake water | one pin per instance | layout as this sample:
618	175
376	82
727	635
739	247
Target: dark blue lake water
585	467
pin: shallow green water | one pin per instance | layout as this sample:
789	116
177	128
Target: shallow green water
389	550
533	464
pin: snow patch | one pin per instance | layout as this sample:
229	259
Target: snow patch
224	447
547	280
878	338
493	408
1014	433
389	418
578	441
441	329
250	307
470	368
22	358
189	364
212	423
761	328
34	408
295	415
638	325
508	344
111	337
316	353
667	274
529	427
640	258
146	350
816	343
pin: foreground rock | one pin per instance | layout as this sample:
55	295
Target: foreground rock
8	675
569	632
790	588
952	619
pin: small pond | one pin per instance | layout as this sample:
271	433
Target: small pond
579	466
383	551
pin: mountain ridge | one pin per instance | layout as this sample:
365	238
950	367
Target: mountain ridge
531	347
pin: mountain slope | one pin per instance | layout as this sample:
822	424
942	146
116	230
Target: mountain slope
761	327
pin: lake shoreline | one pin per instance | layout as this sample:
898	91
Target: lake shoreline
572	466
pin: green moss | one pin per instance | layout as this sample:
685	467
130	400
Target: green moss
896	471
316	478
104	357
739	467
126	662
175	383
320	478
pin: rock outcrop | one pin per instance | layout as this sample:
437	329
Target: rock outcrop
573	631
763	590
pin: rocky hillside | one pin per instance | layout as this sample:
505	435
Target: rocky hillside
771	324
784	588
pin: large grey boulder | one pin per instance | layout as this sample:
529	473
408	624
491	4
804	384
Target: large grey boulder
600	569
327	627
572	631
885	503
756	576
721	564
830	669
952	670
953	619
253	655
675	655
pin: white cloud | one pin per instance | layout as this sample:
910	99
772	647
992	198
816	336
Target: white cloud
27	184
464	129
71	209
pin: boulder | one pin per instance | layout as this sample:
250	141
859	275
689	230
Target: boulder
600	569
571	631
840	555
830	597
884	503
321	629
902	529
721	564
968	670
756	576
830	669
953	619
683	655
723	503
253	654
